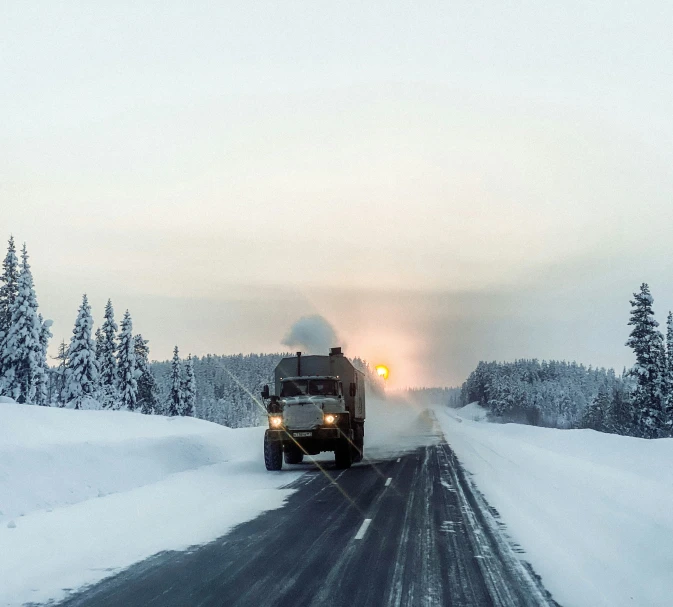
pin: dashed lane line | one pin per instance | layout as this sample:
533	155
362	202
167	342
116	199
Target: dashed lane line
363	529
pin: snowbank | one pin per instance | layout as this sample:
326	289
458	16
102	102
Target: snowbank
86	493
474	412
592	511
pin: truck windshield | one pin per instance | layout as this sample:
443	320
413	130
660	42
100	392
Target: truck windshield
294	388
323	387
313	387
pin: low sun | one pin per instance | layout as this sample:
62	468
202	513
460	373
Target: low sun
382	371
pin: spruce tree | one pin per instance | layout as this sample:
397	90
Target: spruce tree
20	354
595	415
147	388
9	289
81	372
620	418
62	358
648	345
175	399
189	388
107	359
669	375
99	346
42	396
126	359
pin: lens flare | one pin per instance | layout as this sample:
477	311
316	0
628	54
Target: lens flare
382	371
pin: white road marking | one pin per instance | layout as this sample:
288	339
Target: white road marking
398	459
363	528
390	480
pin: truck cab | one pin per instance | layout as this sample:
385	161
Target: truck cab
311	401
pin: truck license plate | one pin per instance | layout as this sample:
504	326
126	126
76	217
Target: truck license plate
300	434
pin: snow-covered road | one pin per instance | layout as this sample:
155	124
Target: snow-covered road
593	511
402	531
86	493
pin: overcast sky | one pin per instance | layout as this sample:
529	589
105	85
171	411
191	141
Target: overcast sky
443	181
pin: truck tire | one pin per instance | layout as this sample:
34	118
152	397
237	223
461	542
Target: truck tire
343	455
293	455
273	453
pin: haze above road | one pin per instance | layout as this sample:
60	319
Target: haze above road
443	185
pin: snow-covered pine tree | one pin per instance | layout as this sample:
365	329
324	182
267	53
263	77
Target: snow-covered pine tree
62	358
106	352
99	345
9	289
596	413
620	416
175	399
20	353
189	389
126	360
648	345
42	395
669	374
147	387
81	372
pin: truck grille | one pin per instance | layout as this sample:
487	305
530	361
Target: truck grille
304	416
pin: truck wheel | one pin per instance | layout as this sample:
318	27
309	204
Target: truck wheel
293	455
273	453
343	455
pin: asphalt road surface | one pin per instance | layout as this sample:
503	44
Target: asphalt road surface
404	531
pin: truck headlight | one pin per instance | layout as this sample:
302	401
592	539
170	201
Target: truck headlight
276	421
329	418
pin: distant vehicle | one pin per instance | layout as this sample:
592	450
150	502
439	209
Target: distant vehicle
319	405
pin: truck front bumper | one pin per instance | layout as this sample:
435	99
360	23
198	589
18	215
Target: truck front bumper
319	435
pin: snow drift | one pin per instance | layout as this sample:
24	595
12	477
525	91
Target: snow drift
592	511
86	493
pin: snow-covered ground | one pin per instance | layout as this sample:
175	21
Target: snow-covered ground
84	494
593	512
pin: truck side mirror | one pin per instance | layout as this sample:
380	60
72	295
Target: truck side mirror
265	392
353	389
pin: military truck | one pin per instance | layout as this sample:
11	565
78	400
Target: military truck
318	405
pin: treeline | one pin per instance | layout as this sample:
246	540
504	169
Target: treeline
568	395
110	368
548	393
111	371
228	387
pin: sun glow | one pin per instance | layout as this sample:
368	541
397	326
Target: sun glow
382	371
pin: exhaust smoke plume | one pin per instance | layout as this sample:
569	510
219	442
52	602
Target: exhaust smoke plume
312	335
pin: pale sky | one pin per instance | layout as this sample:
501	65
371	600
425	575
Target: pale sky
443	181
